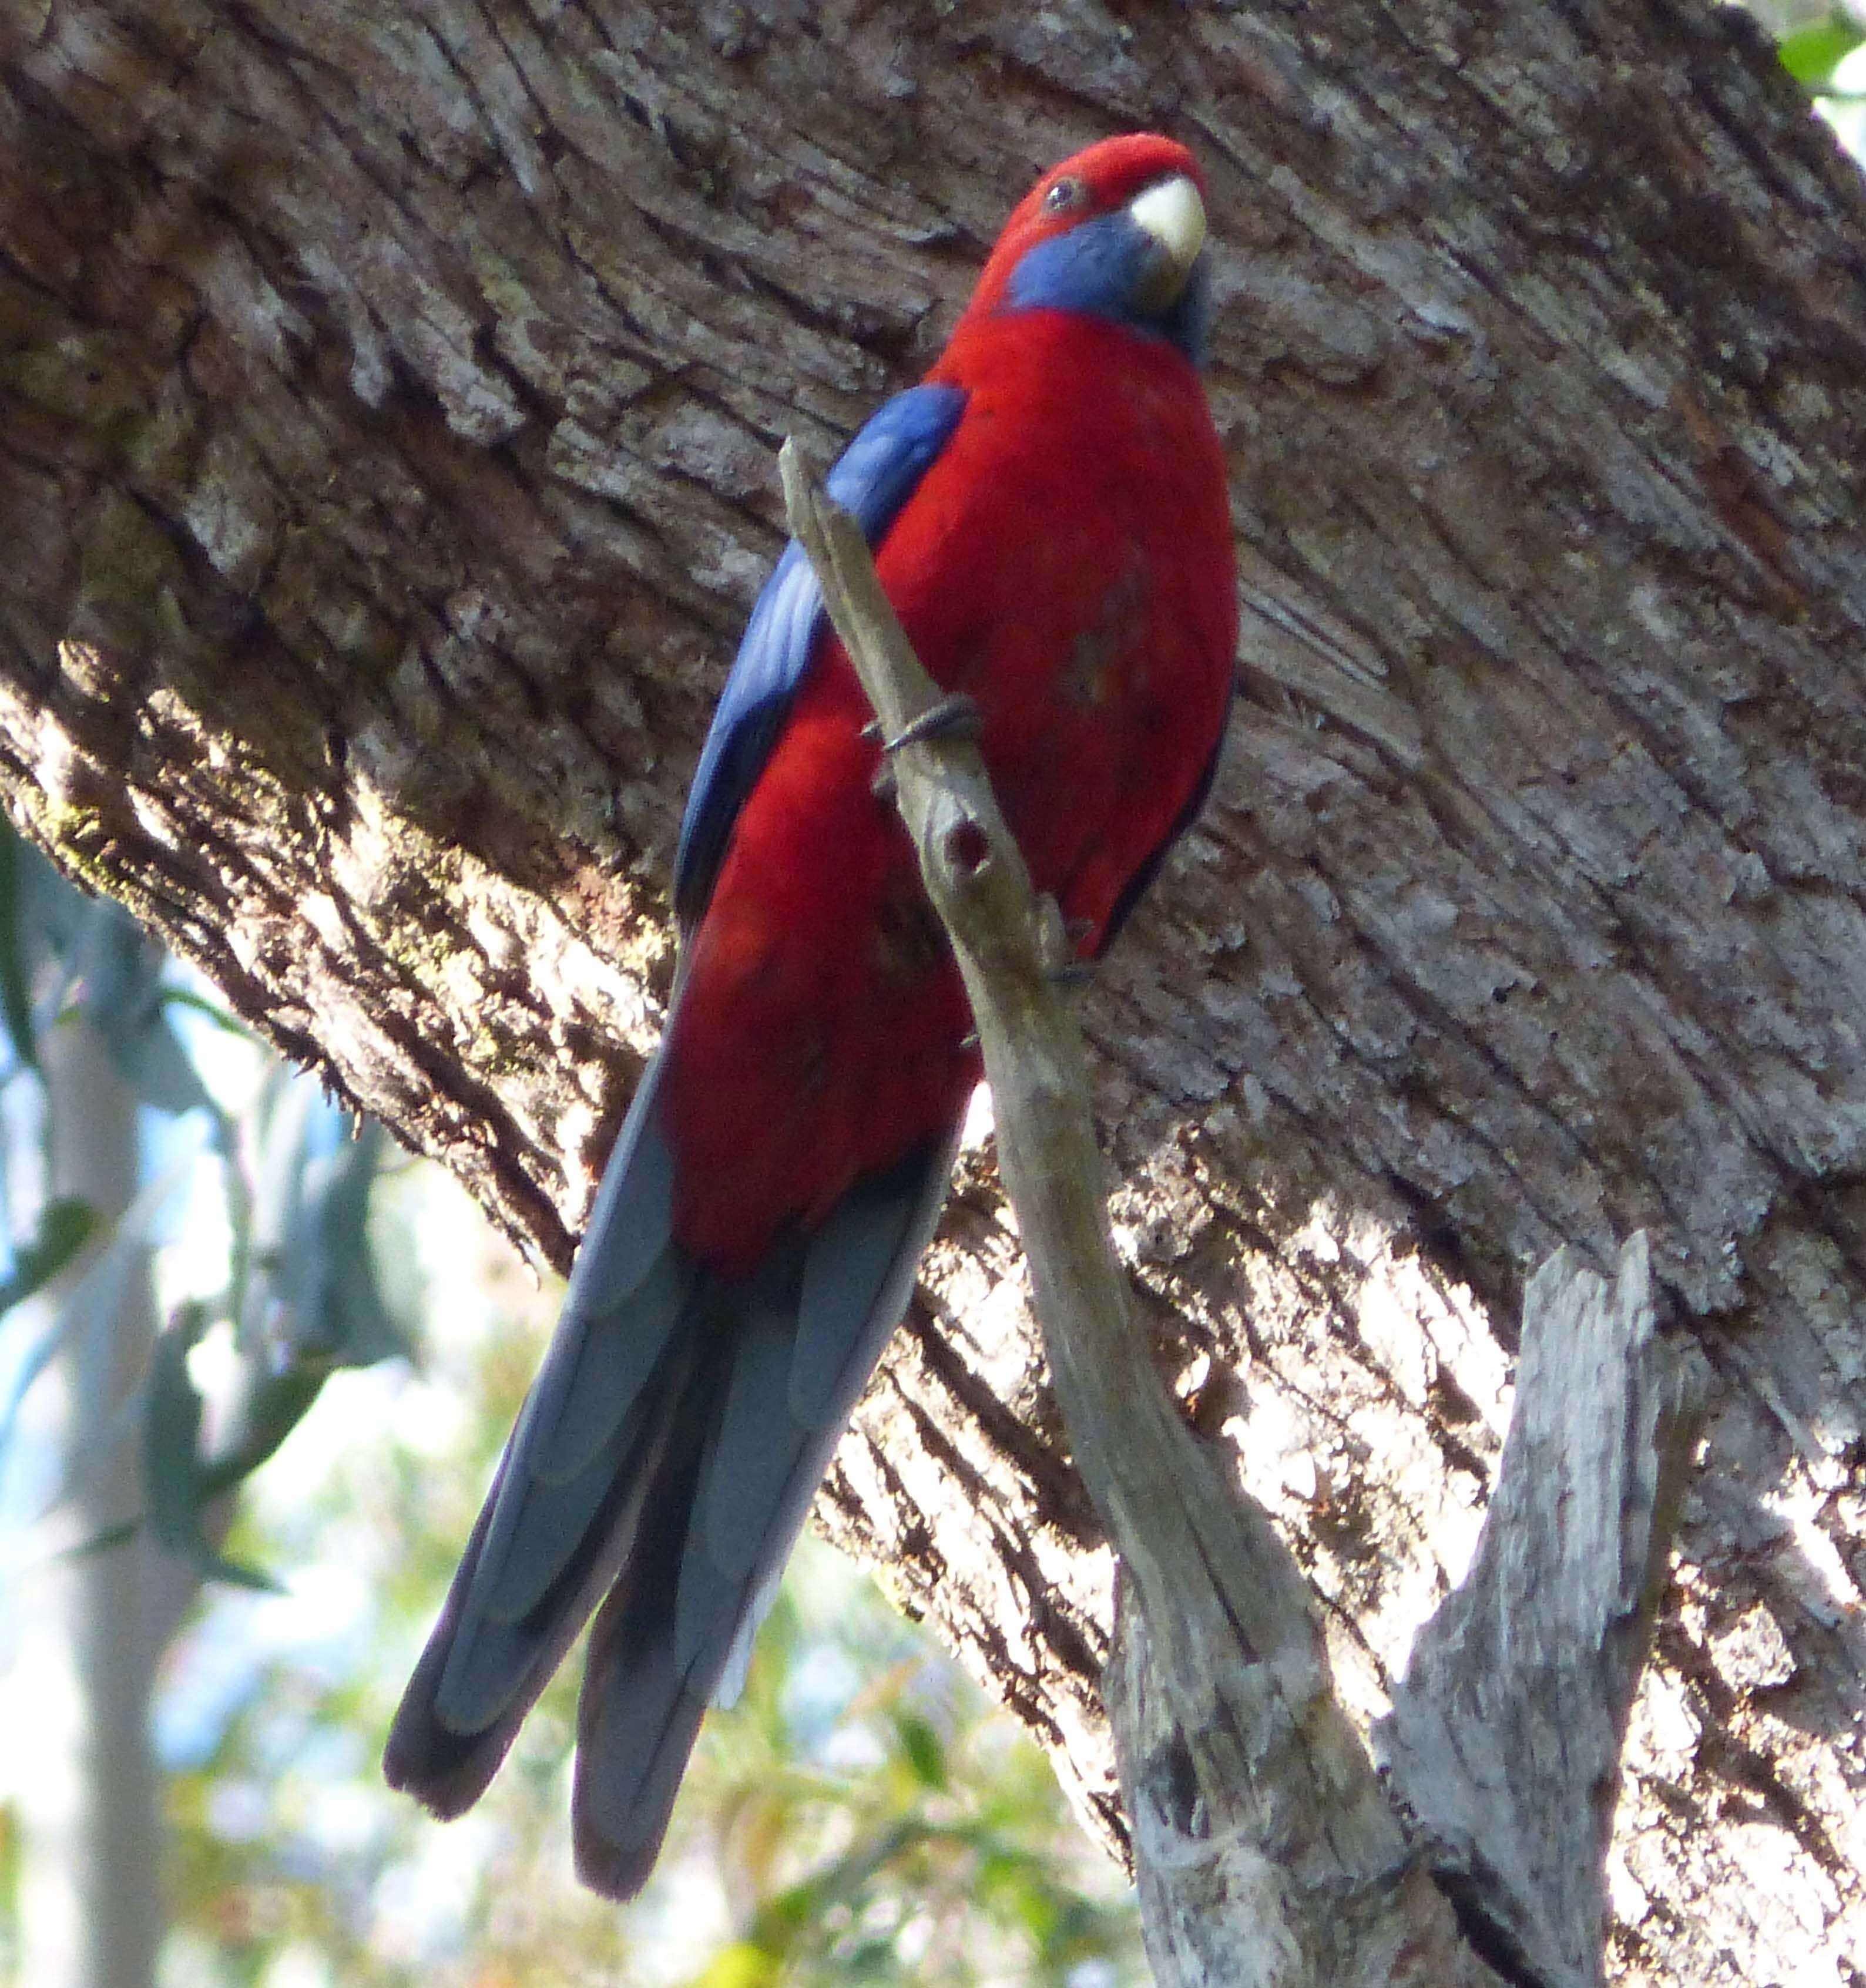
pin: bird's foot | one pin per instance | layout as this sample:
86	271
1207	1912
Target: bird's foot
1057	939
954	716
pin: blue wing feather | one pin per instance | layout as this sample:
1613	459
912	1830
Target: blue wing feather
872	478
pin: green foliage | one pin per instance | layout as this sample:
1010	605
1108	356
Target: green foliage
175	1498
115	979
1812	52
15	1010
895	1835
301	1298
65	1226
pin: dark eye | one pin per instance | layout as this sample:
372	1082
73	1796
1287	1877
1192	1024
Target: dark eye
1067	194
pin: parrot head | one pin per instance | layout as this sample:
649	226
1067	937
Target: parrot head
1117	232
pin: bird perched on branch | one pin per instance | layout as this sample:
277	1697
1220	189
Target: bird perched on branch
1048	513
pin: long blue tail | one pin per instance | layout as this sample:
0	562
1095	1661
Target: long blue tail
666	1458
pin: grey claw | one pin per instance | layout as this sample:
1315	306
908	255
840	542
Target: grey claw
954	716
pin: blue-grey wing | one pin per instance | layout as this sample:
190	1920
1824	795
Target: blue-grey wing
874	476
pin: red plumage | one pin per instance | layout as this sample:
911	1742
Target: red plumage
1053	531
1066	561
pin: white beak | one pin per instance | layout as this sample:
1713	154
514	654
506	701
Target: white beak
1173	214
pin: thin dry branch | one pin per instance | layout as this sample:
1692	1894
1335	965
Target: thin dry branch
1253	1751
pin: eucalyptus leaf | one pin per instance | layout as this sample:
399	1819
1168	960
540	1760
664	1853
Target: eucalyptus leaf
171	1477
15	1002
65	1226
123	997
314	1288
99	1543
310	1300
223	1018
922	1747
263	1413
1811	55
176	1490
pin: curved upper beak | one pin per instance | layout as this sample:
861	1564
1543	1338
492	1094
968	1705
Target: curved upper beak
1172	213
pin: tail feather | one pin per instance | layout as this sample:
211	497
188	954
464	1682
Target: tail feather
632	1748
495	1661
744	1472
543	1508
667	1456
538	1527
559	1517
621	1348
858	1274
673	1636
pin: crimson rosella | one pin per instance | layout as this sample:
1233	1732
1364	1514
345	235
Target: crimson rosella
1048	516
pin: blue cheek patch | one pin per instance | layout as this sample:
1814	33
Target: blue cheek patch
1097	267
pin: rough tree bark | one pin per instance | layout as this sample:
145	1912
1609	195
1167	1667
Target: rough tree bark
385	461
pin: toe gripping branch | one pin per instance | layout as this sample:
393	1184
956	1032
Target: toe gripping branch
954	716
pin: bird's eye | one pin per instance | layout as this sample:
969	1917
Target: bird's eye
1067	194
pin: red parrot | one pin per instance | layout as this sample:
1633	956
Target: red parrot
1049	517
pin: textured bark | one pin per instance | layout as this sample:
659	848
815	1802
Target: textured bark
1504	1740
388	407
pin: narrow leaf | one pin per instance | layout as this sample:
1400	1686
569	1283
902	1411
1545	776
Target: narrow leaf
172	1434
175	1490
1811	55
261	1421
123	998
925	1751
65	1226
15	1005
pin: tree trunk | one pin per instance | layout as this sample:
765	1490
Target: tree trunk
389	405
95	1621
